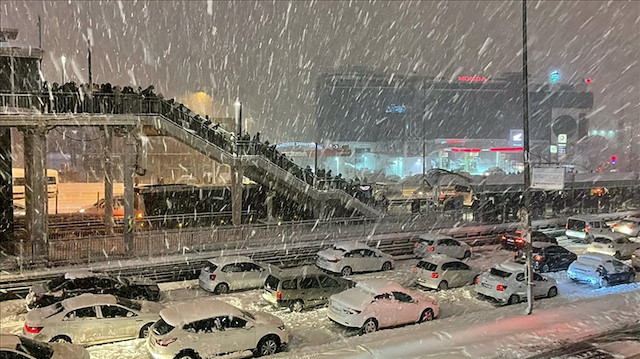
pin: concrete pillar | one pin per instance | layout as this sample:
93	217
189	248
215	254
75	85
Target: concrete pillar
35	166
108	181
6	193
237	173
269	204
128	154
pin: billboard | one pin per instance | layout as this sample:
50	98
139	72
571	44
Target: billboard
548	178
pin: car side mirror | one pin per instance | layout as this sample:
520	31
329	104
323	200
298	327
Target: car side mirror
248	326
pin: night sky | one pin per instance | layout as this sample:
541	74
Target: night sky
269	53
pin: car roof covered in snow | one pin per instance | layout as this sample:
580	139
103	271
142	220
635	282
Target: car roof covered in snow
542	244
87	299
197	310
434	236
349	246
510	267
9	341
594	257
612	236
300	272
586	218
379	286
221	261
438	259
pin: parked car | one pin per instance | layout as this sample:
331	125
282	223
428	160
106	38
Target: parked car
600	270
629	226
75	283
635	259
547	257
515	241
207	328
300	288
506	283
220	275
582	229
613	244
443	272
17	347
378	303
92	319
428	244
351	257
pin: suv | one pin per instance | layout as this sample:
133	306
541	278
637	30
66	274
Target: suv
600	270
299	288
613	244
583	229
220	275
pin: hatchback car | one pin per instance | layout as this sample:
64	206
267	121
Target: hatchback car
506	283
629	226
582	229
220	275
75	283
428	244
207	328
613	244
300	288
443	272
16	347
600	270
547	257
92	319
351	257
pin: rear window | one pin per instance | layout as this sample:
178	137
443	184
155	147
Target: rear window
34	348
500	273
602	240
428	242
131	304
161	327
272	282
210	267
427	266
576	225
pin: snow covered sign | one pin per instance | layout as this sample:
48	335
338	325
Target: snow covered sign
548	178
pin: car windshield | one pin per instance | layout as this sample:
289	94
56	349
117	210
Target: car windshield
500	273
34	348
427	266
131	304
575	225
272	282
161	327
210	267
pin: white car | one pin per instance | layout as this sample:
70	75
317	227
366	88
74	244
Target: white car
506	283
629	226
220	275
583	228
15	347
613	244
428	244
206	328
443	272
378	303
91	319
351	257
600	270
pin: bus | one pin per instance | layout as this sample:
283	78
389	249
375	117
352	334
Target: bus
19	182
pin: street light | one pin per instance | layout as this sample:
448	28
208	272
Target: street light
63	59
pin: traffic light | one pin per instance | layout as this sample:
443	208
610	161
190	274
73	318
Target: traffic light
613	160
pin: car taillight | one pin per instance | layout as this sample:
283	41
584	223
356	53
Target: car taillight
566	225
333	260
165	342
477	280
586	229
630	227
415	270
139	215
517	254
279	295
616	225
434	275
500	287
519	240
537	258
470	249
415	245
212	276
32	330
431	249
504	238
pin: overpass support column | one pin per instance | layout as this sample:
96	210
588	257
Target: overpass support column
35	189
6	193
128	154
237	173
108	181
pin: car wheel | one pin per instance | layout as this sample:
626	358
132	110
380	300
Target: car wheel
514	299
443	285
553	291
296	306
187	355
545	268
632	278
617	255
60	339
426	316
370	326
144	331
346	271
467	254
222	288
268	345
386	266
604	283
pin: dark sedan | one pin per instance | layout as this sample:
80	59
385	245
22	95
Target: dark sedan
547	257
515	241
74	284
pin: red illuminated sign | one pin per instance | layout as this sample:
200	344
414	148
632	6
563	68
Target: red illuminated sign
472	79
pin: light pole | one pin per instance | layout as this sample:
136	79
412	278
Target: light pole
63	59
238	106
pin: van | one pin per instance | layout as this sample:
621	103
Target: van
583	229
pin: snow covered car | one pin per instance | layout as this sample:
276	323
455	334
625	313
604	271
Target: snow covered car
442	272
207	328
378	303
16	347
547	257
613	244
428	244
92	319
629	226
506	283
351	257
76	283
583	228
600	270
220	275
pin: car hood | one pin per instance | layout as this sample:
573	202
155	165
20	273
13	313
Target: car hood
354	298
266	318
331	254
68	351
150	307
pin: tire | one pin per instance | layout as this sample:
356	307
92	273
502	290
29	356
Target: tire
604	283
346	271
443	285
467	255
369	326
222	288
513	299
426	316
386	266
187	354
268	345
60	339
144	331
297	306
553	291
632	278
545	268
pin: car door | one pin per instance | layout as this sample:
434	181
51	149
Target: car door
204	337
374	260
541	286
465	274
118	323
234	275
385	309
237	334
355	259
254	275
310	291
449	273
82	326
520	284
330	286
626	247
457	249
564	258
406	309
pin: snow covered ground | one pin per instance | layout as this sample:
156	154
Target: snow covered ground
461	313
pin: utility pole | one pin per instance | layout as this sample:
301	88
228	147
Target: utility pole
89	64
526	210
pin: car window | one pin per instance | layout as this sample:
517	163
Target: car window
520	277
232	268
623	241
575	225
537	277
427	266
369	253
354	254
619	266
328	282
402	297
500	273
210	267
309	283
382	296
128	303
427	242
453	242
290	284
462	266
161	327
595	224
272	283
236	322
82	313
201	326
251	267
113	311
449	266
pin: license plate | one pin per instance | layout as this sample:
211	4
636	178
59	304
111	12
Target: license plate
486	285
